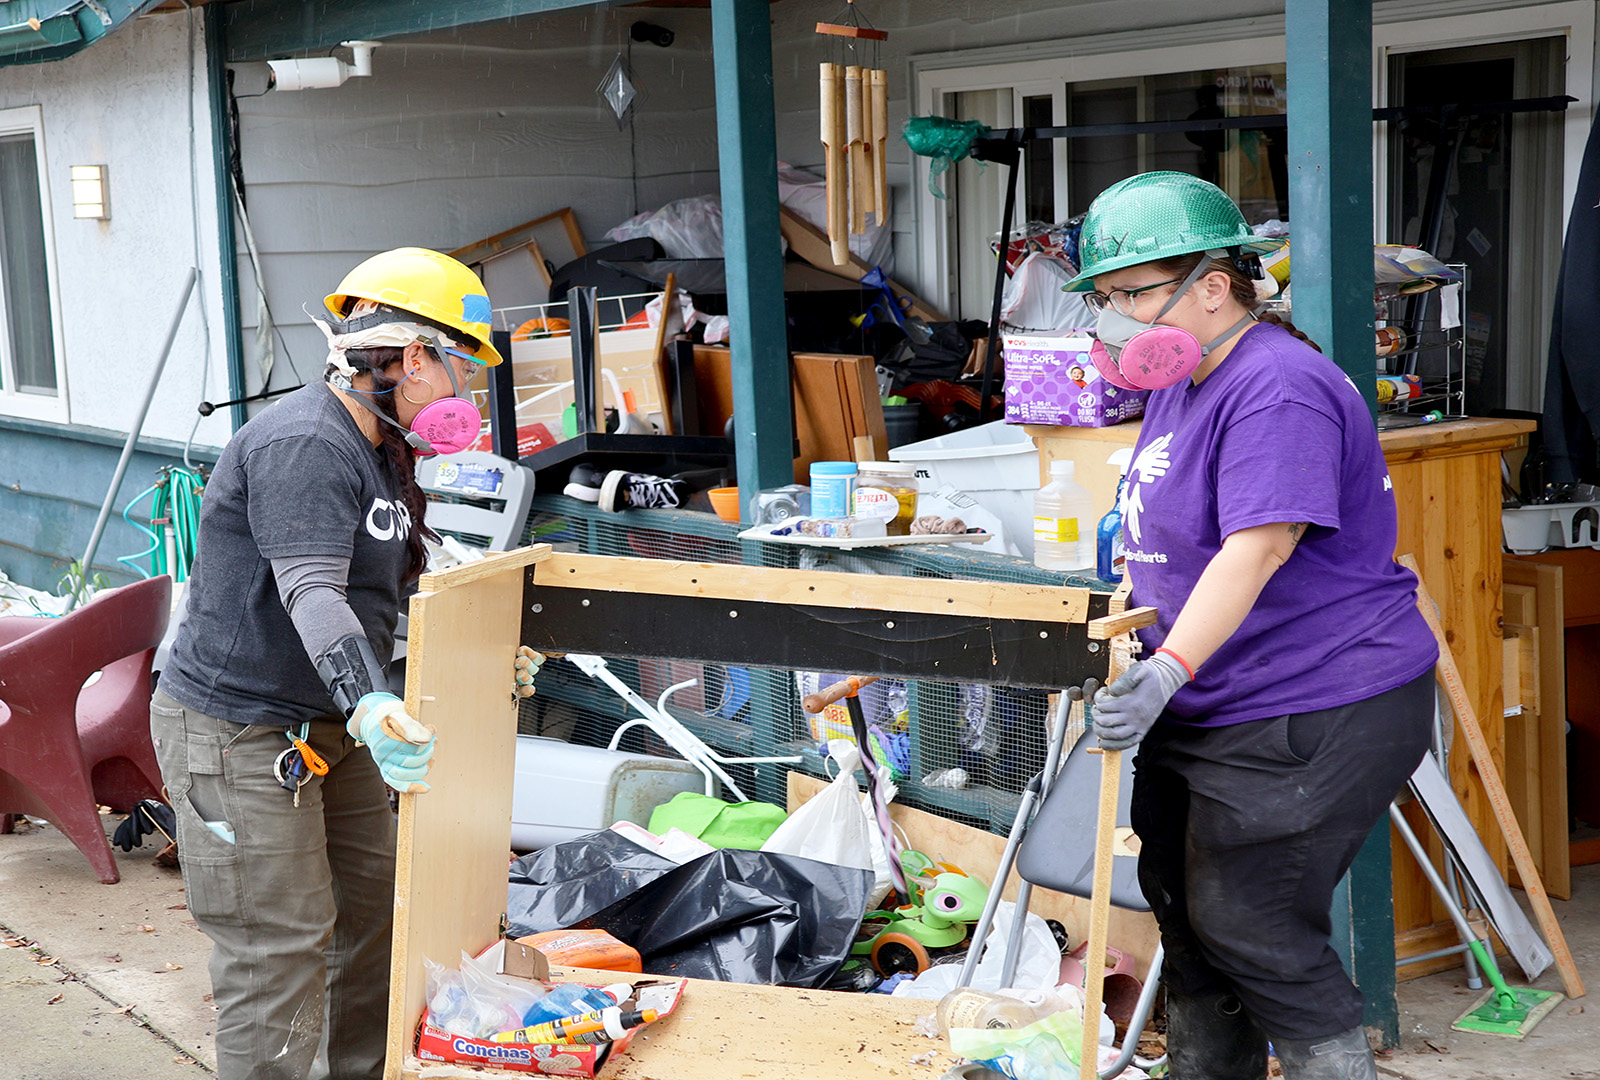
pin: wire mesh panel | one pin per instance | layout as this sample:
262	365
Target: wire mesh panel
963	750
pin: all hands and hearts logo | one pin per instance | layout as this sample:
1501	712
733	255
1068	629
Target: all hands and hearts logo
1151	465
388	520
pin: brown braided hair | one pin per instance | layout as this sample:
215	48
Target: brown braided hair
1240	286
402	459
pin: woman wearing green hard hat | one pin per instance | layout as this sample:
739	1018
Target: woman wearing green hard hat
1286	690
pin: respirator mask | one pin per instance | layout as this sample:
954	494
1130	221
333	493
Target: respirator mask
446	426
1135	355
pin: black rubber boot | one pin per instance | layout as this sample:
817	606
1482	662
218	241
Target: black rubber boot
1210	1037
1345	1056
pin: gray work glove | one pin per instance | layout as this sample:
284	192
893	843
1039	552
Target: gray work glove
1125	711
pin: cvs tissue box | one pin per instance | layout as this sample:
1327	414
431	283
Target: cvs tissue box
1050	380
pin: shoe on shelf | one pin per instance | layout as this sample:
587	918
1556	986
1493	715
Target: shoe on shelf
584	482
641	491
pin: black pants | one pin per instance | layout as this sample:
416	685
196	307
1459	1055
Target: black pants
1245	831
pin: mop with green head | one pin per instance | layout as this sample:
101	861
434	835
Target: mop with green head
1502	1010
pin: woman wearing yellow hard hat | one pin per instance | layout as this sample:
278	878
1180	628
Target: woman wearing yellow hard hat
275	725
1286	691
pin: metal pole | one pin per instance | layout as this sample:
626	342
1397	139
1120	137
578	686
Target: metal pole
992	348
133	435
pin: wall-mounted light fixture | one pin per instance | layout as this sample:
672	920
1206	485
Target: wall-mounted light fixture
90	197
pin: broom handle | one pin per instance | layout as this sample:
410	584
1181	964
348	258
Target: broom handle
815	703
1449	676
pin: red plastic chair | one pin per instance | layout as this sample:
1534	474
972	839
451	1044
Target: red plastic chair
65	747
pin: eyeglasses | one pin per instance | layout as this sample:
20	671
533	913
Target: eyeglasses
1122	300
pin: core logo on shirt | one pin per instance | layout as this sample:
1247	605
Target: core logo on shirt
388	520
1151	465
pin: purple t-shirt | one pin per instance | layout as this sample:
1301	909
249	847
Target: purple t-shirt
1277	433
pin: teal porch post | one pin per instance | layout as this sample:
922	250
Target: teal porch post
1329	45
227	244
1329	49
748	151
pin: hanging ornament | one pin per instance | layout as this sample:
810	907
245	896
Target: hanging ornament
617	89
855	121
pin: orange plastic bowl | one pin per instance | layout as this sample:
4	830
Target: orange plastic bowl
725	501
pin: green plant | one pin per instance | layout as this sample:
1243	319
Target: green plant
73	583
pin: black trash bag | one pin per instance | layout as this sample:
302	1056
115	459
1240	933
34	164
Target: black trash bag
744	916
564	884
940	357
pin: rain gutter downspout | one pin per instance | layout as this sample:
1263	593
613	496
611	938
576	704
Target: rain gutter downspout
227	243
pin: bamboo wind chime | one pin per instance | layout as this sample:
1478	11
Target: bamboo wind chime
855	130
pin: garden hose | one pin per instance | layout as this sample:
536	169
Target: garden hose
176	500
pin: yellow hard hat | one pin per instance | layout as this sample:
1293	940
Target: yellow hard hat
426	283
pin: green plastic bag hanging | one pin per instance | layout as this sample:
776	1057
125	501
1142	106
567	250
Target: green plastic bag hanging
943	140
722	825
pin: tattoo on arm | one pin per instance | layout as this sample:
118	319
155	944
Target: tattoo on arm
1297	529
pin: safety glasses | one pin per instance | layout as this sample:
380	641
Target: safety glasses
1122	300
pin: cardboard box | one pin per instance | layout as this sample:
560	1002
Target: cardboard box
547	1059
1050	380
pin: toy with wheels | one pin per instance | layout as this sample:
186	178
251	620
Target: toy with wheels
910	938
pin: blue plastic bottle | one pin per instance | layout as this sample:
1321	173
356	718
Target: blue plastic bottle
1110	557
570	999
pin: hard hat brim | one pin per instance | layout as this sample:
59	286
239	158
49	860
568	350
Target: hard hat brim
1084	282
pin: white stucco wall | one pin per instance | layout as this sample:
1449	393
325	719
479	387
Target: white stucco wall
126	103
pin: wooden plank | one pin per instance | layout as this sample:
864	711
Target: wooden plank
738	1031
816	588
835	401
450	870
1489	776
1125	622
978	853
486	567
1547	583
1519	603
808	242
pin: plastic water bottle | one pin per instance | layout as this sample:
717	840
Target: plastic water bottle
1111	556
1063	522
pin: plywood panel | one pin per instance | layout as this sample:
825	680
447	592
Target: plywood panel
734	1031
450	881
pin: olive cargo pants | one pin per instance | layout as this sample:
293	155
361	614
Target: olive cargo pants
299	905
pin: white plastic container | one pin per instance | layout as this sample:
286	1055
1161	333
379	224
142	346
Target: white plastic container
1063	522
997	464
562	791
1531	529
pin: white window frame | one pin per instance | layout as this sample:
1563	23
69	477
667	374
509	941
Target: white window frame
1243	43
29	120
1030	78
1573	19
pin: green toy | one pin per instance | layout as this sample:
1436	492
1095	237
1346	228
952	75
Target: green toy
908	938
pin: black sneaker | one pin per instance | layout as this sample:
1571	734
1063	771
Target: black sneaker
584	482
641	491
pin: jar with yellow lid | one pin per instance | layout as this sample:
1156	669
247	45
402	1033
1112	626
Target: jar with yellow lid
887	491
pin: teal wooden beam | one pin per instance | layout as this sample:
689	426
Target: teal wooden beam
222	178
1329	51
747	148
265	31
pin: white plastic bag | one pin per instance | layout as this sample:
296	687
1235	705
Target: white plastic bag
832	827
1034	301
1038	967
686	228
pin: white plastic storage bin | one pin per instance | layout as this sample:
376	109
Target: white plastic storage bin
562	791
997	464
1531	529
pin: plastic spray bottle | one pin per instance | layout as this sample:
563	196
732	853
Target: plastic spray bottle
1111	557
1062	511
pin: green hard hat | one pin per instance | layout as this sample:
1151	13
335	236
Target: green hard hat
1159	215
